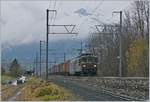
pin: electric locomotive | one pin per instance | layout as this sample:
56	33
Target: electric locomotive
88	64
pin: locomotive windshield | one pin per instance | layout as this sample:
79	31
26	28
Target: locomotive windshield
89	59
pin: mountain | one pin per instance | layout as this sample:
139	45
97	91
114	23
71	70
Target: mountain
25	53
82	12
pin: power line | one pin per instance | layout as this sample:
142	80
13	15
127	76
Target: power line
55	4
94	10
49	4
53	15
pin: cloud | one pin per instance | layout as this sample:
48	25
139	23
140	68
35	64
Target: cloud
2	22
66	14
22	20
25	21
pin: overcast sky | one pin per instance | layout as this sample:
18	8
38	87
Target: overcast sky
25	21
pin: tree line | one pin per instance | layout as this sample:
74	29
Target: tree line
134	40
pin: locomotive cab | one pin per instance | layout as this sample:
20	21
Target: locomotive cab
88	64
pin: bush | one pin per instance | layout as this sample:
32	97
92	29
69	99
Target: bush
137	58
43	91
40	90
50	98
47	90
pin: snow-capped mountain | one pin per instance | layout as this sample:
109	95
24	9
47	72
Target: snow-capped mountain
82	12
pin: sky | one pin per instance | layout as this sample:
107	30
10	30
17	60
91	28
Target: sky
24	22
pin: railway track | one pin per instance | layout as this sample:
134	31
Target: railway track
84	81
86	94
123	97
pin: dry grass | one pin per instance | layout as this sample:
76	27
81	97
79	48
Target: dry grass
8	91
38	90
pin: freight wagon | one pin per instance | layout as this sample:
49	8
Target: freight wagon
85	64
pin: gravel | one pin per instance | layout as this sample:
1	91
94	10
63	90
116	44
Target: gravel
135	88
94	90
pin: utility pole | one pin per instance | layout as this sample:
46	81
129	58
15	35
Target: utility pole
40	57
81	47
30	67
34	66
36	63
47	20
64	57
120	48
48	32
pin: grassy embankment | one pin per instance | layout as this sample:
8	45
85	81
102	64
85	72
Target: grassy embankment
5	78
39	90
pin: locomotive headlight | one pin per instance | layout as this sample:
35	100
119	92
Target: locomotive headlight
84	65
95	65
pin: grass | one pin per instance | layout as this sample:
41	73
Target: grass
39	90
8	91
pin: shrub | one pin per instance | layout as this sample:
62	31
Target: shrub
47	90
137	58
50	98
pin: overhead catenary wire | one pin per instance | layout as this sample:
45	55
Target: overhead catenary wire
56	12
53	18
49	4
55	3
93	11
52	6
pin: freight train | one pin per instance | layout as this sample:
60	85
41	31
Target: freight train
84	64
